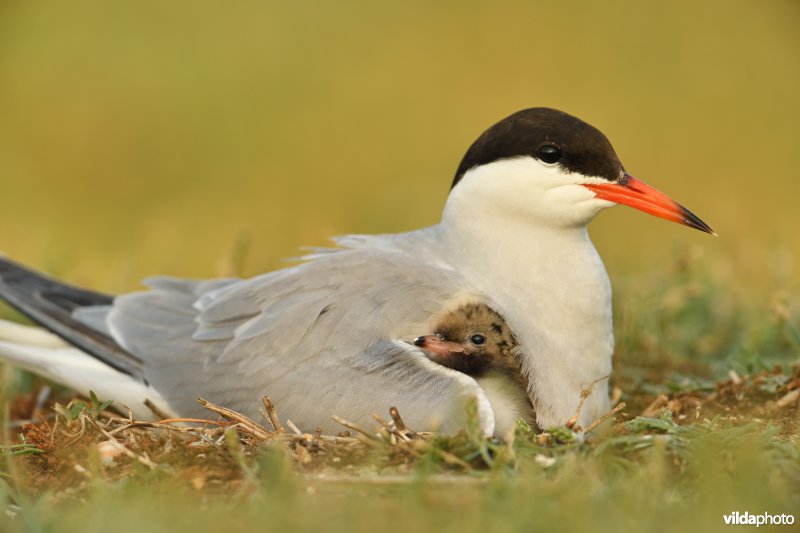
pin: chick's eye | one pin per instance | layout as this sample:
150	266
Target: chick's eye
477	339
549	153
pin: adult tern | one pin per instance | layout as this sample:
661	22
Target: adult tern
326	337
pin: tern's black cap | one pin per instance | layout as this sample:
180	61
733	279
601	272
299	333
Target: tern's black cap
579	147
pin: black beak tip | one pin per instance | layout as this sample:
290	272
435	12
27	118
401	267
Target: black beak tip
419	341
693	221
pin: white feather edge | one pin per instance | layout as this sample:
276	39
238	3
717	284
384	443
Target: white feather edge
41	352
28	335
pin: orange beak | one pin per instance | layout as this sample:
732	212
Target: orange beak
639	195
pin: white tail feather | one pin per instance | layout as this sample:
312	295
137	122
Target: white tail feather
42	353
28	335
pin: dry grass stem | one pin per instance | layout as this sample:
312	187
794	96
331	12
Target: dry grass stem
585	393
244	422
160	415
156	425
355	427
654	409
398	421
615	410
272	413
294	428
788	399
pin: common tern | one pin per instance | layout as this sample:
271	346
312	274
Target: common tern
326	337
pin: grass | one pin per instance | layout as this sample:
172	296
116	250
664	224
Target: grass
655	473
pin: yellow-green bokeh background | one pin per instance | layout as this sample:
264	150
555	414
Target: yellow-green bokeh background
150	137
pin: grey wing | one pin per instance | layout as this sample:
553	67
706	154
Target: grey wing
322	338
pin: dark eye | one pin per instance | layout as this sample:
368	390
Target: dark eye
549	153
477	339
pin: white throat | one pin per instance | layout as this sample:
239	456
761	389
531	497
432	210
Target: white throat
547	280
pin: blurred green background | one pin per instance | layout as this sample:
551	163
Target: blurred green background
204	138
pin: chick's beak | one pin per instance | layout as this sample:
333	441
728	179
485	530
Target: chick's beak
437	345
639	195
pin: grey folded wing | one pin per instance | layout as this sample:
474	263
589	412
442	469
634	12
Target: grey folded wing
323	338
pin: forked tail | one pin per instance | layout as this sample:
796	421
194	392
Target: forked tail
50	303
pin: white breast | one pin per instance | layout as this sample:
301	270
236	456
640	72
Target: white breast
503	229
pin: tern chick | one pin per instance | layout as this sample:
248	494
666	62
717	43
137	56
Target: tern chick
474	339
